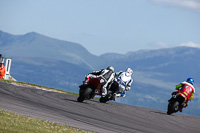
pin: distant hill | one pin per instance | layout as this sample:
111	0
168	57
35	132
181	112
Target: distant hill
175	62
47	61
156	72
35	45
61	64
48	72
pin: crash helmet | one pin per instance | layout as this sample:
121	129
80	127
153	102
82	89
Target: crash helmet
111	68
129	72
190	80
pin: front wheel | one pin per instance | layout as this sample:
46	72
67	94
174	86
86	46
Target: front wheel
80	99
103	100
107	97
85	94
173	107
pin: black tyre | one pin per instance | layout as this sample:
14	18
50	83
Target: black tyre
173	107
103	100
85	94
80	99
106	98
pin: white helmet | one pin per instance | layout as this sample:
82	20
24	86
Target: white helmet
129	72
110	68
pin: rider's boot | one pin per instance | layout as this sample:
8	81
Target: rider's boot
115	95
104	92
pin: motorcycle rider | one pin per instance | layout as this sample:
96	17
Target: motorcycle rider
106	78
187	90
124	80
2	70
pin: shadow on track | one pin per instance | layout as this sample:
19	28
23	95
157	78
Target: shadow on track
156	112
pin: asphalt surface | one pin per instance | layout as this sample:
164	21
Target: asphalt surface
91	115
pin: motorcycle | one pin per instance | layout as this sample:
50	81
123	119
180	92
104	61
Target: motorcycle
90	88
116	86
176	103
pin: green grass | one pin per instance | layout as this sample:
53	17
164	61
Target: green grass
14	123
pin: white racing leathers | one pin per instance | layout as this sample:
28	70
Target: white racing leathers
124	80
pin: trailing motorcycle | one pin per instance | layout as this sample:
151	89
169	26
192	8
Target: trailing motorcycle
90	88
176	103
116	86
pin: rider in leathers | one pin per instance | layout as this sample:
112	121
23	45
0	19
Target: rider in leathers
106	78
124	80
187	90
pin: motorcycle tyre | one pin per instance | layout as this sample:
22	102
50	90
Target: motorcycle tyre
106	98
171	109
85	94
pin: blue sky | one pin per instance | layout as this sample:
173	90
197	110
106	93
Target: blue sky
102	26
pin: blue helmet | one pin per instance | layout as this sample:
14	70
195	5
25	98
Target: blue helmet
190	80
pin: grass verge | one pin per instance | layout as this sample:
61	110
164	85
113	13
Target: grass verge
10	122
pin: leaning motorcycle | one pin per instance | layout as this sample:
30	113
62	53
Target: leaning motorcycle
176	103
115	87
89	89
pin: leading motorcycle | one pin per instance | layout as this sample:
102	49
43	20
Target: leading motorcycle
89	88
176	103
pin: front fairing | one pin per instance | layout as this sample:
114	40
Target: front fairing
177	97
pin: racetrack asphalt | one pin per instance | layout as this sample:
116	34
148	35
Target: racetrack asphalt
91	115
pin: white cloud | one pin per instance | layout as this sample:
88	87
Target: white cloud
162	45
191	4
158	45
190	44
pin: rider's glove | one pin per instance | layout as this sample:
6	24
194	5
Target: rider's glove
123	95
127	88
184	105
88	75
174	93
91	76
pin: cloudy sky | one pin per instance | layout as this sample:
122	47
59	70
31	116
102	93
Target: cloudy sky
102	26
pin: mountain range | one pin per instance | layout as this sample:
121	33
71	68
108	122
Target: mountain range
62	64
